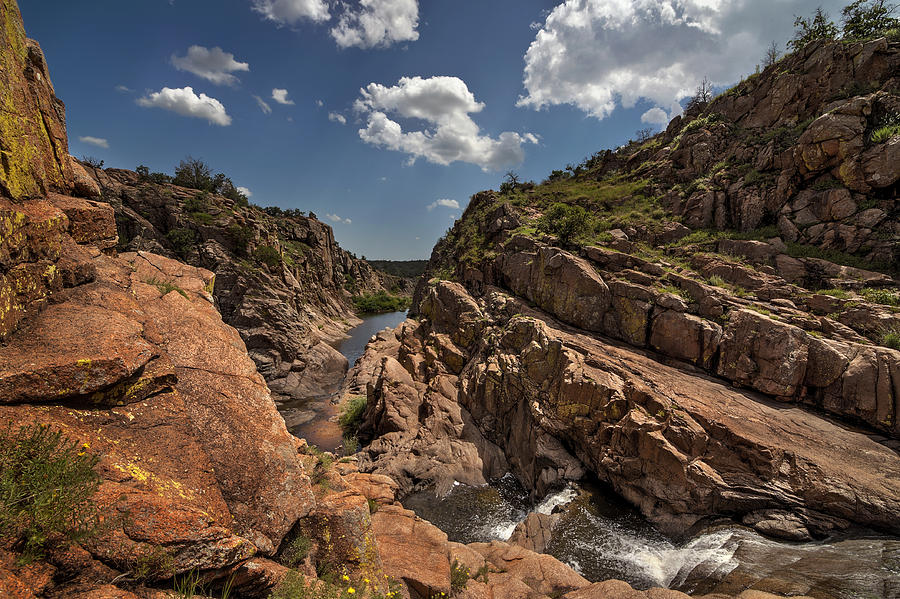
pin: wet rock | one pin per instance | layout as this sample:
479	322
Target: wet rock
778	524
535	532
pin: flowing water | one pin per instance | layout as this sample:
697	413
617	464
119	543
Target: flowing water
315	418
602	537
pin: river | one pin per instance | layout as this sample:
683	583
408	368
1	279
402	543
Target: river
602	537
315	418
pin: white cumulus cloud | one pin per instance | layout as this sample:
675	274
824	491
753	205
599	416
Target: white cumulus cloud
213	64
337	219
377	23
337	118
185	102
291	12
281	96
262	105
656	116
444	104
94	141
599	54
445	203
245	191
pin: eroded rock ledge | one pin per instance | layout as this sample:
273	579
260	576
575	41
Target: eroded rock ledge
479	384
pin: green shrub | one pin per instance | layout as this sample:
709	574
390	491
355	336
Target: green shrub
888	297
566	221
350	444
373	505
817	27
187	585
864	19
46	485
155	563
483	573
268	256
891	338
459	576
882	134
182	240
297	586
193	173
241	236
352	414
382	301
717	281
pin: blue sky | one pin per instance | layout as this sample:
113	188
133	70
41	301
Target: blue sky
455	92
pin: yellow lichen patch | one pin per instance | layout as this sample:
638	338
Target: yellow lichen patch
163	486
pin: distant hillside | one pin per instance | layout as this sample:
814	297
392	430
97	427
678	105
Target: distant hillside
400	268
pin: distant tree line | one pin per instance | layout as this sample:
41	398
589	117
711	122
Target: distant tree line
400	268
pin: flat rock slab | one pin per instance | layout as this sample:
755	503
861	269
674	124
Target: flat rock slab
71	351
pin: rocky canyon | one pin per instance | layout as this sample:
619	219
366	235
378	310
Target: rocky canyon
703	324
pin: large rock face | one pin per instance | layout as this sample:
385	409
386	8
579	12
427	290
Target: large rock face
32	119
128	356
680	446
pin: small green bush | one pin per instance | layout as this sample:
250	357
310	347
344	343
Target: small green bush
483	573
268	255
882	134
459	576
182	240
241	236
166	286
46	485
350	444
155	563
891	338
717	281
838	293
887	297
352	414
566	221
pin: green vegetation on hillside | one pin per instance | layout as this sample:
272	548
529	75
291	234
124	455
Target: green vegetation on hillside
373	303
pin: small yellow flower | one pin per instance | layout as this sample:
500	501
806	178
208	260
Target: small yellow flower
345	578
366	580
351	590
